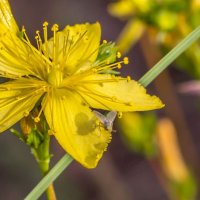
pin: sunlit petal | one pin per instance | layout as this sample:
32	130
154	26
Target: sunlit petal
75	127
17	99
77	46
114	93
7	20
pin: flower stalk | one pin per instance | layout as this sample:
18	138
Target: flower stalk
35	135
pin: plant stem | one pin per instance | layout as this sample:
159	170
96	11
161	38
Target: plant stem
50	177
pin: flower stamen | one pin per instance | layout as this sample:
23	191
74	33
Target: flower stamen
45	35
55	29
119	115
126	61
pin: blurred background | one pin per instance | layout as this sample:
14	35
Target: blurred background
153	155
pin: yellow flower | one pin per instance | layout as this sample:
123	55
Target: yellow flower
128	8
62	74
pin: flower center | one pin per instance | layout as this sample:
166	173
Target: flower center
55	77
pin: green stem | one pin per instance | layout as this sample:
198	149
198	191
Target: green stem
145	80
170	57
49	178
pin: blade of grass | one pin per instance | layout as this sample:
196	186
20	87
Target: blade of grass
50	177
145	80
170	57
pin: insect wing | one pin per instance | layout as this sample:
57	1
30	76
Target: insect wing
100	116
110	117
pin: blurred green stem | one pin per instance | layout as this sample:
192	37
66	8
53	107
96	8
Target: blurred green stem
42	156
50	177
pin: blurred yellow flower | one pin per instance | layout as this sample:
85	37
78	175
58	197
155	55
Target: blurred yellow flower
181	182
127	8
62	74
173	162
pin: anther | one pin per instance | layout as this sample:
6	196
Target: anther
86	39
51	132
23	29
128	78
129	104
105	42
55	27
126	61
119	54
119	114
36	119
45	24
119	66
114	98
26	113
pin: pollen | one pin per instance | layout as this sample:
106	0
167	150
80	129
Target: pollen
36	119
129	104
51	132
119	114
85	39
55	27
126	61
45	24
119	54
119	66
114	98
128	78
26	113
105	41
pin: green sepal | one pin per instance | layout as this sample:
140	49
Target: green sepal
18	134
107	54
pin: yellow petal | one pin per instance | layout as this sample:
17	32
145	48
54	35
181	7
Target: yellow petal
19	59
16	101
16	58
75	127
114	93
7	20
77	46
